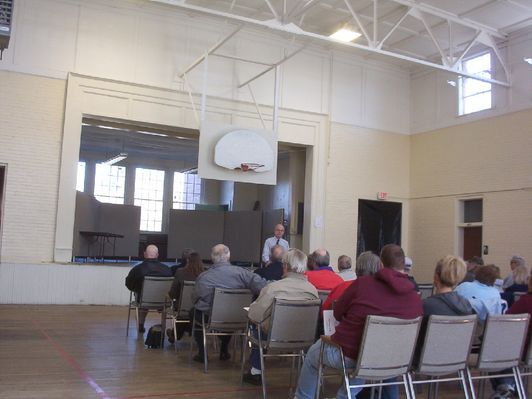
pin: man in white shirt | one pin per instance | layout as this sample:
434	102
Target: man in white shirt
277	239
345	269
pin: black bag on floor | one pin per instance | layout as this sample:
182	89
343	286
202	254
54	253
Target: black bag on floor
153	339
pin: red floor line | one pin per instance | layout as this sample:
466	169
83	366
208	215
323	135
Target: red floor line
67	357
196	393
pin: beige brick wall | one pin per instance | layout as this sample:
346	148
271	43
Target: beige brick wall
31	110
491	159
361	163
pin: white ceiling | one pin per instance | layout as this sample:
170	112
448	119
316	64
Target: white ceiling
428	25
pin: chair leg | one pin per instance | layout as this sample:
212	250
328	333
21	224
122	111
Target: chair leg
320	371
192	330
346	375
518	383
163	327
244	345
128	317
463	382
205	356
470	382
137	319
411	385
174	326
263	369
408	393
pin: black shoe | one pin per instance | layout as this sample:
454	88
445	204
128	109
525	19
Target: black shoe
225	356
141	328
252	379
170	335
199	359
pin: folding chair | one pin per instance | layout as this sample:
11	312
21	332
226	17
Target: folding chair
425	290
153	297
323	294
501	348
527	368
183	307
386	352
445	351
227	317
290	333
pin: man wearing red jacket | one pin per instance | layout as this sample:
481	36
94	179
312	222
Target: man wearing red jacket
388	293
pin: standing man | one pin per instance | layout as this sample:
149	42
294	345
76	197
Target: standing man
277	239
150	267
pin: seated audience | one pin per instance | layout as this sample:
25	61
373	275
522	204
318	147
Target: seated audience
344	268
367	265
293	286
388	293
320	274
472	265
514	263
183	261
504	387
149	267
190	272
408	270
519	284
481	293
273	270
222	275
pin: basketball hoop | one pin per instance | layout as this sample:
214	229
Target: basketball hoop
247	166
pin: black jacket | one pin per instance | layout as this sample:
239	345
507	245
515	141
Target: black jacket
150	267
447	304
272	272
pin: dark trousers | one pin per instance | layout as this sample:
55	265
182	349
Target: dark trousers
198	335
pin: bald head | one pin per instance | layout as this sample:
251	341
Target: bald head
151	252
279	231
220	253
321	255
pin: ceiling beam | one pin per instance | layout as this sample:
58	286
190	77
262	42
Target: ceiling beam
295	30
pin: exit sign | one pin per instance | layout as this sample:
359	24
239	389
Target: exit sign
382	196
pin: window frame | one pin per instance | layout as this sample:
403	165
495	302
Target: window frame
148	200
98	196
462	81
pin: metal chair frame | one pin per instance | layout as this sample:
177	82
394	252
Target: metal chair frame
283	347
179	314
371	320
219	327
458	367
512	362
152	304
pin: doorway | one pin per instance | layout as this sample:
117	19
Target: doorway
379	223
472	242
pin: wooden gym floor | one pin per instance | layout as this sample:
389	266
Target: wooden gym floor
55	351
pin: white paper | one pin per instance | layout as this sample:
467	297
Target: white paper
329	322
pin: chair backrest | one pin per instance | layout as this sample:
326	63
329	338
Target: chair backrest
425	290
227	312
154	291
185	299
518	295
447	344
293	324
323	294
503	341
528	356
387	347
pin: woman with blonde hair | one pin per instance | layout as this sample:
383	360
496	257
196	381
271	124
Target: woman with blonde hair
449	272
520	276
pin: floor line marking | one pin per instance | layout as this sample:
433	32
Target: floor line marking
67	357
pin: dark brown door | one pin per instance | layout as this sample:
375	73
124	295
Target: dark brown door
472	242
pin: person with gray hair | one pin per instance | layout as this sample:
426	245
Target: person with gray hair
345	268
515	262
221	274
320	274
293	286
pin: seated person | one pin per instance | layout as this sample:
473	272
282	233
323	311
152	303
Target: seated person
277	239
472	265
367	265
190	272
345	269
481	293
294	286
273	271
149	267
514	262
504	387
320	274
221	274
387	293
519	284
183	261
408	270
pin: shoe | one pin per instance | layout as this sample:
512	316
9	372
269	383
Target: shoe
252	379
504	391
225	356
199	359
170	335
141	328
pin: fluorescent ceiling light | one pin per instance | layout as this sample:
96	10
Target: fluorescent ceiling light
345	35
528	60
115	159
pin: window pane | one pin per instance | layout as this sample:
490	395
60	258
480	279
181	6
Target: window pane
475	95
149	190
473	211
109	183
473	86
186	191
477	102
80	182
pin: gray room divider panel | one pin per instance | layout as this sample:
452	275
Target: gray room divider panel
242	234
200	230
124	220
